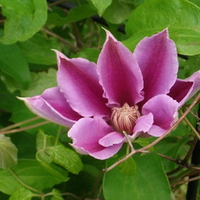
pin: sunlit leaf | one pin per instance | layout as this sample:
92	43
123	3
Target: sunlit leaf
31	173
8	152
119	11
101	5
22	193
181	17
49	150
23	19
66	158
56	195
80	13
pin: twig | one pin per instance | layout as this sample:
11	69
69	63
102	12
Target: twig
185	160
19	124
24	128
192	127
74	48
72	195
192	189
186	181
57	2
181	163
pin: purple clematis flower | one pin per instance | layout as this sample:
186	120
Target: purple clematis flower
125	93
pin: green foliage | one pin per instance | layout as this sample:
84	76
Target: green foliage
28	173
147	181
38	163
22	193
180	17
101	5
14	64
50	151
118	6
23	19
8	153
37	49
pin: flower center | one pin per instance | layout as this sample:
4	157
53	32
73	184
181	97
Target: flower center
123	118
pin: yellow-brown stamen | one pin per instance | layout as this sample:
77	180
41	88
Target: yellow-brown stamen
124	118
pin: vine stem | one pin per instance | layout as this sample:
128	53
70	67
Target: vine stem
144	149
186	181
192	189
24	128
74	48
192	127
19	124
22	183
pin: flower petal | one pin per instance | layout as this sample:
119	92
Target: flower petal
119	73
111	138
53	106
143	124
164	110
182	90
87	133
157	59
156	131
78	80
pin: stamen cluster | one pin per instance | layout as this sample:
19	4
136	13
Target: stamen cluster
124	118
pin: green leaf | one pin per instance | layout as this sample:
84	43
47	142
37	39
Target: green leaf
197	2
8	153
14	64
153	16
148	181
173	147
50	151
128	167
37	49
101	5
31	173
38	83
23	194
44	141
23	19
66	158
89	53
7	99
56	195
119	11
190	66
79	13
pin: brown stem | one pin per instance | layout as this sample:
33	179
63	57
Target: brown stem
186	181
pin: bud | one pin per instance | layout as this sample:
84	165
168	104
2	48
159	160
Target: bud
124	118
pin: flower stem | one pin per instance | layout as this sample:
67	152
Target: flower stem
128	141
